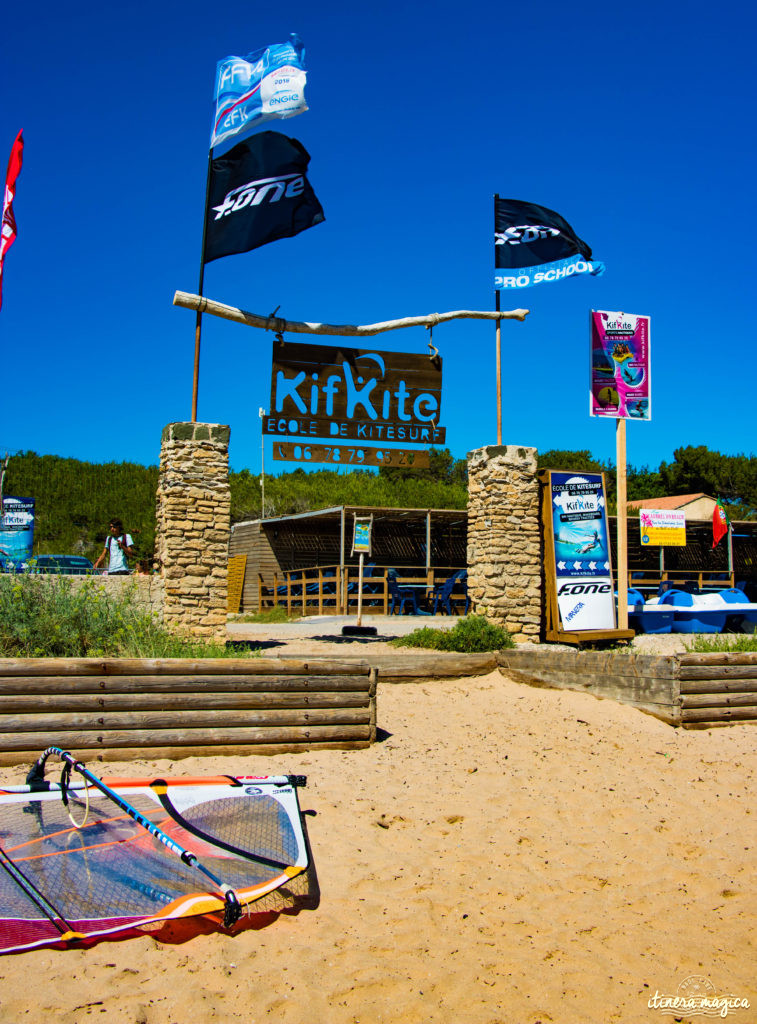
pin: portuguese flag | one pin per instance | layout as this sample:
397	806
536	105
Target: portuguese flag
720	523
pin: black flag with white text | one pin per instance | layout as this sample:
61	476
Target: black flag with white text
258	193
533	244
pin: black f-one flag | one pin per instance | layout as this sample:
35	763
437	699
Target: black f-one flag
533	244
526	234
258	193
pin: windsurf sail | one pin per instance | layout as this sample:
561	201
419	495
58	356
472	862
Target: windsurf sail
88	857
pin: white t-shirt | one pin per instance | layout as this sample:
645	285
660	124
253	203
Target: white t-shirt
116	557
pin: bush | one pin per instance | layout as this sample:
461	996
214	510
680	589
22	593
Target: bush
474	634
49	617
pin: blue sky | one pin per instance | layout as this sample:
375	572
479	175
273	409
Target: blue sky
635	122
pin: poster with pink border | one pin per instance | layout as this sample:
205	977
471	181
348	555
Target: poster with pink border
620	366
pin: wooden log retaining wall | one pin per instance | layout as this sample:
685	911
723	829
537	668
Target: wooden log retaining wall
717	689
120	709
689	690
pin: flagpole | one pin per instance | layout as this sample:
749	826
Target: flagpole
498	345
198	318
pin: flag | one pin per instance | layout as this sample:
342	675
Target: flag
720	523
533	244
265	84
8	233
258	193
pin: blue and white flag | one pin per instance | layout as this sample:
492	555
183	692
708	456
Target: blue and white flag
265	84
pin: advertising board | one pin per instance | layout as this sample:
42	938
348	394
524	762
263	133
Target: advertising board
581	550
620	385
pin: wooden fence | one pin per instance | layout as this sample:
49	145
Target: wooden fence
119	709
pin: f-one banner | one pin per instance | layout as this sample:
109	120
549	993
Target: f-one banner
620	366
16	532
338	392
583	575
265	84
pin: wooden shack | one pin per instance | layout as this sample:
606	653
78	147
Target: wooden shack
414	541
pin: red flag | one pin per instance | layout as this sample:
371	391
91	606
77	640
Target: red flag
8	233
720	523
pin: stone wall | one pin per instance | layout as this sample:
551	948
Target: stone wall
504	539
193	528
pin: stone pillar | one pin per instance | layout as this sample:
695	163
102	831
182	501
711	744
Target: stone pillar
193	528
504	539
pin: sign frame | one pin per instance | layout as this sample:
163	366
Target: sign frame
341	392
620	384
596	583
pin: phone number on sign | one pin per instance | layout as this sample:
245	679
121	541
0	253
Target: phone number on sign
290	452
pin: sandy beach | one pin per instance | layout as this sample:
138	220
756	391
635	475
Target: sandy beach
504	854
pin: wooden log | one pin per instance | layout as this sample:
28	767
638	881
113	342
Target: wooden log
719	658
715	700
278	324
596	662
102	753
625	689
718	672
109	702
738	714
395	668
140	741
718	686
178	666
99	720
187	684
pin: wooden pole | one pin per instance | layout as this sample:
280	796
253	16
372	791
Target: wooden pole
198	318
620	478
279	325
499	372
360	591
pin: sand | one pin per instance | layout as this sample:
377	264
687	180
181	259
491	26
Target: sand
505	855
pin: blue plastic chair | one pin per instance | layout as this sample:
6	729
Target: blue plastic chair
442	595
400	595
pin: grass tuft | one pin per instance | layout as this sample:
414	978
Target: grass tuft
717	643
471	635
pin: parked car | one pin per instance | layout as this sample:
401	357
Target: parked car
68	565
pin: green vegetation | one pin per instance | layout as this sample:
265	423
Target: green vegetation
716	643
75	500
267	616
471	635
52	617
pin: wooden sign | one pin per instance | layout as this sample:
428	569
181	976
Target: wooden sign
346	455
362	394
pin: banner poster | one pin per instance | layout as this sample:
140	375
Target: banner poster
16	532
585	596
620	366
361	540
665	528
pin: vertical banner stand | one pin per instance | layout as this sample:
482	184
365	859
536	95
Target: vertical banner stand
362	530
621	524
554	629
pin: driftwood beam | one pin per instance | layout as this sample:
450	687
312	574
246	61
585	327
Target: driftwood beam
274	323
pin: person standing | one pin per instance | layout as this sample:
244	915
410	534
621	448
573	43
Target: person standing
118	547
